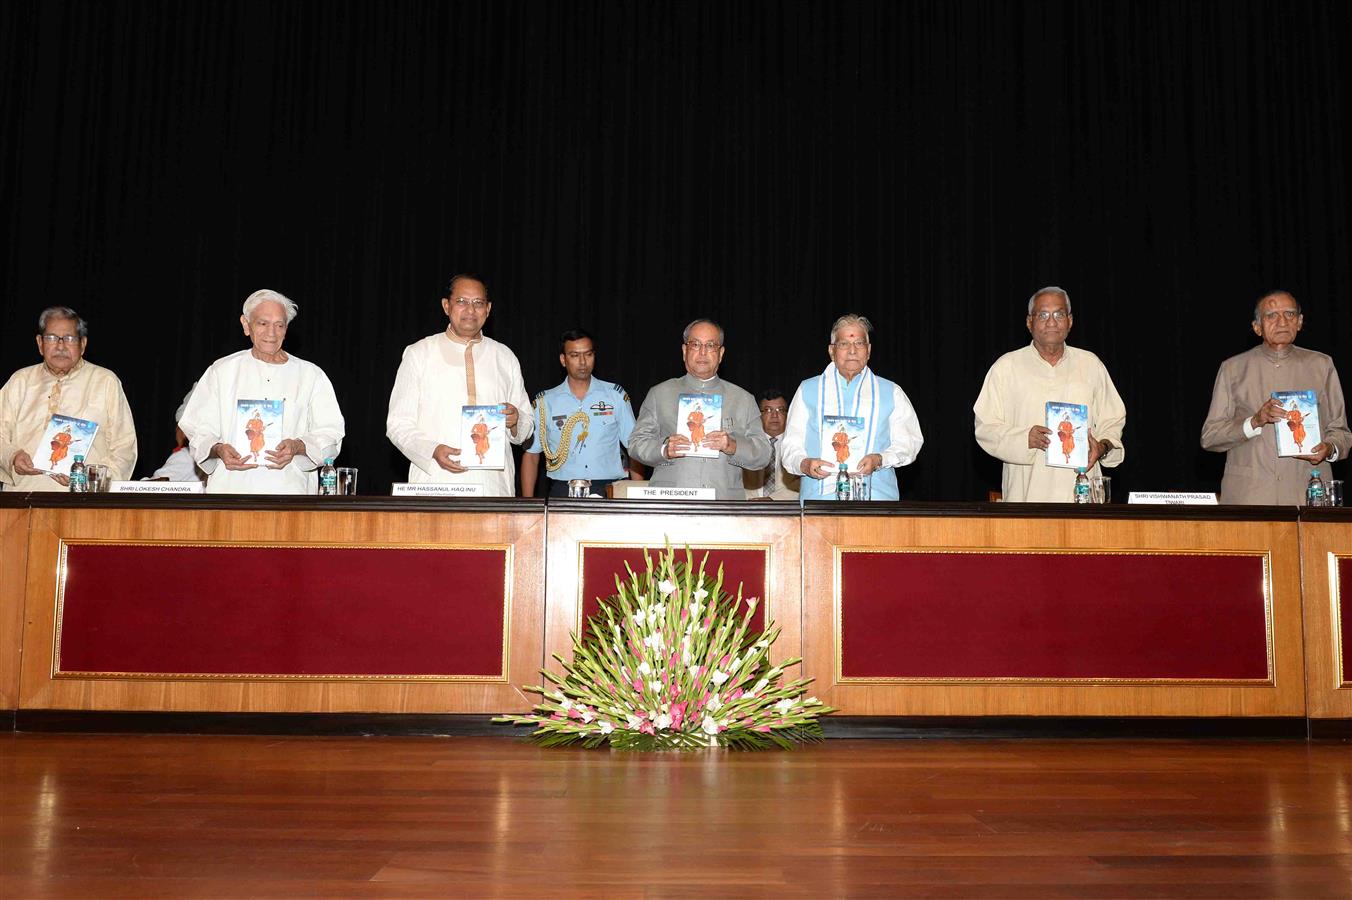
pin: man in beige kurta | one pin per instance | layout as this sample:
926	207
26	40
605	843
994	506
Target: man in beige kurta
64	383
1243	413
443	372
1011	411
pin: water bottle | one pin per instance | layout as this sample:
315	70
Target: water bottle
1081	486
1315	492
843	483
79	478
328	479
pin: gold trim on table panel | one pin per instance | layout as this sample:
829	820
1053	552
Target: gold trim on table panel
508	561
838	616
1336	618
767	549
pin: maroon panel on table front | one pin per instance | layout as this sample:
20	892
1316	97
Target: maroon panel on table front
283	610
1345	615
600	565
1037	615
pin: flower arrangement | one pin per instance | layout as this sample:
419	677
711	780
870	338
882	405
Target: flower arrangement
673	662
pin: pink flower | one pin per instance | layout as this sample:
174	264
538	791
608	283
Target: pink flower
723	663
761	728
638	686
647	728
736	694
677	715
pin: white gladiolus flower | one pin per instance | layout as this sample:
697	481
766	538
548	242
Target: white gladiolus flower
587	715
644	669
694	610
709	725
655	685
784	706
565	704
663	721
638	620
718	678
635	722
761	645
686	657
554	695
760	686
700	593
666	588
812	701
714	704
605	727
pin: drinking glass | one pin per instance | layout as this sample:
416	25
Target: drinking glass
347	482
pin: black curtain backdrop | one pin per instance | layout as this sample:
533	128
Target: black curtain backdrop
626	167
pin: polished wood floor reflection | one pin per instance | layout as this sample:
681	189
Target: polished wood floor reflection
186	816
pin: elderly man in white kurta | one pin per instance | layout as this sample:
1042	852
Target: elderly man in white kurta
444	372
1011	410
66	384
311	427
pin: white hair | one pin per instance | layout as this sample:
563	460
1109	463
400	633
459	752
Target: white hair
265	295
1049	289
857	321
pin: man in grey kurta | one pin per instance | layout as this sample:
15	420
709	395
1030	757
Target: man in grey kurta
741	440
1243	413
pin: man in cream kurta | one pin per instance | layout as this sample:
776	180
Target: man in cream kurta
1011	409
1243	412
311	429
440	374
63	383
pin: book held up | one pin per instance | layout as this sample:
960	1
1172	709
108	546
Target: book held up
696	416
1069	424
483	437
258	427
1299	434
64	438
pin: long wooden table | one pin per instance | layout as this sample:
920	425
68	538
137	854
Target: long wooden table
368	604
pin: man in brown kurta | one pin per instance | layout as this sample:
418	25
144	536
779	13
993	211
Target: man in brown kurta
1243	412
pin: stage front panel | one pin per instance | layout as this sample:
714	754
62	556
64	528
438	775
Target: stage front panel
1343	595
600	565
990	615
187	610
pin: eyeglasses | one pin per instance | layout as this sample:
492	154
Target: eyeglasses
697	346
467	303
50	339
773	411
846	345
1059	315
1289	315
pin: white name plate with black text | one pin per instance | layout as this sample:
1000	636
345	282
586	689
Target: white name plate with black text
156	487
672	493
1172	498
436	489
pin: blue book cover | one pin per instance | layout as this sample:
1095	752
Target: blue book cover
696	416
258	428
1299	434
65	438
843	441
1069	424
483	437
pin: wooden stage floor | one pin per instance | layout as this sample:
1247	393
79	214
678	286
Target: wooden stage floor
188	816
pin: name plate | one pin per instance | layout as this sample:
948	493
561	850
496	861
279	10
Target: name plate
156	487
1172	498
436	489
672	493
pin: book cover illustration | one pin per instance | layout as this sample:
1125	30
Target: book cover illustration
483	437
696	416
258	427
1299	434
1069	423
848	443
64	438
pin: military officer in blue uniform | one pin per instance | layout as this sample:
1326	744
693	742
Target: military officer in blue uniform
581	424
